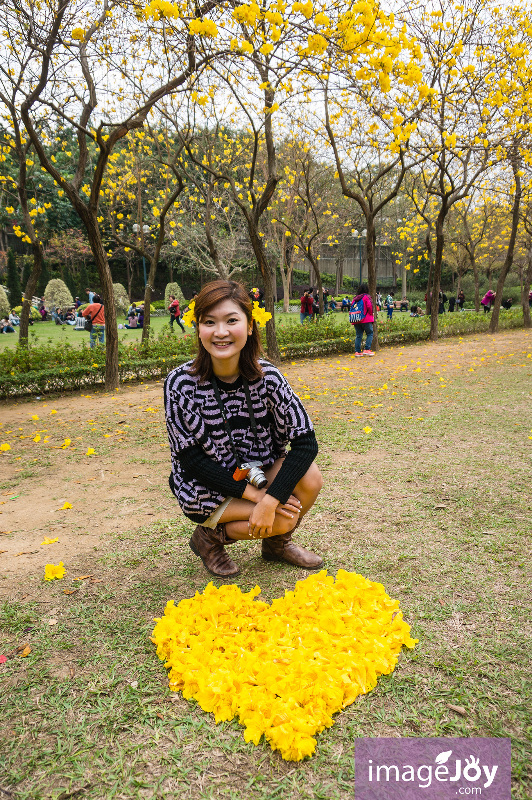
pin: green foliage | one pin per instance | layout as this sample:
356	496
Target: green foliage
13	279
44	279
61	366
175	289
4	303
57	295
121	298
34	314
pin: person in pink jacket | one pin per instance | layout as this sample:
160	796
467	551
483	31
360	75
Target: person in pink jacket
487	300
362	305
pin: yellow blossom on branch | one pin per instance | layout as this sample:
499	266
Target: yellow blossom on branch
260	315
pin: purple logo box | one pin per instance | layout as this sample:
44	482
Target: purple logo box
432	768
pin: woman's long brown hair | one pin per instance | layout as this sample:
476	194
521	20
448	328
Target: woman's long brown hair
213	293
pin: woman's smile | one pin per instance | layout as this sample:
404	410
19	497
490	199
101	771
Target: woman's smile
223	332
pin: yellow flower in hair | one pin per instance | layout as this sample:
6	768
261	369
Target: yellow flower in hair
189	316
260	315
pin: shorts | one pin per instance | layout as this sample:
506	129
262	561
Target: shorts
212	521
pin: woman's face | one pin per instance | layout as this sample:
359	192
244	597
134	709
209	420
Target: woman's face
224	331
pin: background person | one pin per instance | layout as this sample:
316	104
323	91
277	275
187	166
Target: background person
366	323
96	312
488	300
175	312
307	303
229	407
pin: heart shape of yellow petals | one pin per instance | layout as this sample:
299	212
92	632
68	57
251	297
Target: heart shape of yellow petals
283	669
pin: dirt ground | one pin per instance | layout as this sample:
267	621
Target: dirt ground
124	484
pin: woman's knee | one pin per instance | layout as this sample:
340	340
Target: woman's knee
285	524
312	481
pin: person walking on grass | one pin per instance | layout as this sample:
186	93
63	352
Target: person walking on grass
175	312
390	304
230	415
96	312
361	316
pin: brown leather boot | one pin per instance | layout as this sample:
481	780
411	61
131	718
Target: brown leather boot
208	544
282	548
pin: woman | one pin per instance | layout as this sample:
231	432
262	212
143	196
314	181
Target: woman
361	316
96	312
488	300
175	312
225	409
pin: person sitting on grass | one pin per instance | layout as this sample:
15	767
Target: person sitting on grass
229	407
140	317
14	318
365	325
132	321
56	316
417	311
5	327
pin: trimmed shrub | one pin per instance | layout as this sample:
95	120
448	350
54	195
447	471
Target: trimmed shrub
57	295
121	298
34	314
4	303
175	289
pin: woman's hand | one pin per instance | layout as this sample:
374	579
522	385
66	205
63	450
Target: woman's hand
262	517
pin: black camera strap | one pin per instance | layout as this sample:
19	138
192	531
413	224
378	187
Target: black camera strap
226	422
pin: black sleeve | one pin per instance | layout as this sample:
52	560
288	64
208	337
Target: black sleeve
303	451
197	464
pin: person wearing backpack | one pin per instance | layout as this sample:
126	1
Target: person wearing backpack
361	316
389	305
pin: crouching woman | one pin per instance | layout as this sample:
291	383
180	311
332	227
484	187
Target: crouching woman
225	409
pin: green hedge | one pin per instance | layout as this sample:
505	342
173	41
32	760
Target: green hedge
59	368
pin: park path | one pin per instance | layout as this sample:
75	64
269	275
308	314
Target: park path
123	486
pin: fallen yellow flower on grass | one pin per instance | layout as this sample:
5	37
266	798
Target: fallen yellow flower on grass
65	506
66	443
5	447
37	438
90	452
282	669
367	429
54	572
50	541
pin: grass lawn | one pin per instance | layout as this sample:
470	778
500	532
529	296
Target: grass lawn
50	332
433	502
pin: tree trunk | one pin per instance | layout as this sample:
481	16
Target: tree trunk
147	299
29	291
339	276
436	277
508	261
372	274
429	276
272	347
317	275
525	292
112	379
476	278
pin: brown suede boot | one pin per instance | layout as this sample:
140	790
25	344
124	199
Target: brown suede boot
208	544
282	548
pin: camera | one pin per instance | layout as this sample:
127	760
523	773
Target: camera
253	472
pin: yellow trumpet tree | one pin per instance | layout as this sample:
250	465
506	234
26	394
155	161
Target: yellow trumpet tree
97	69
